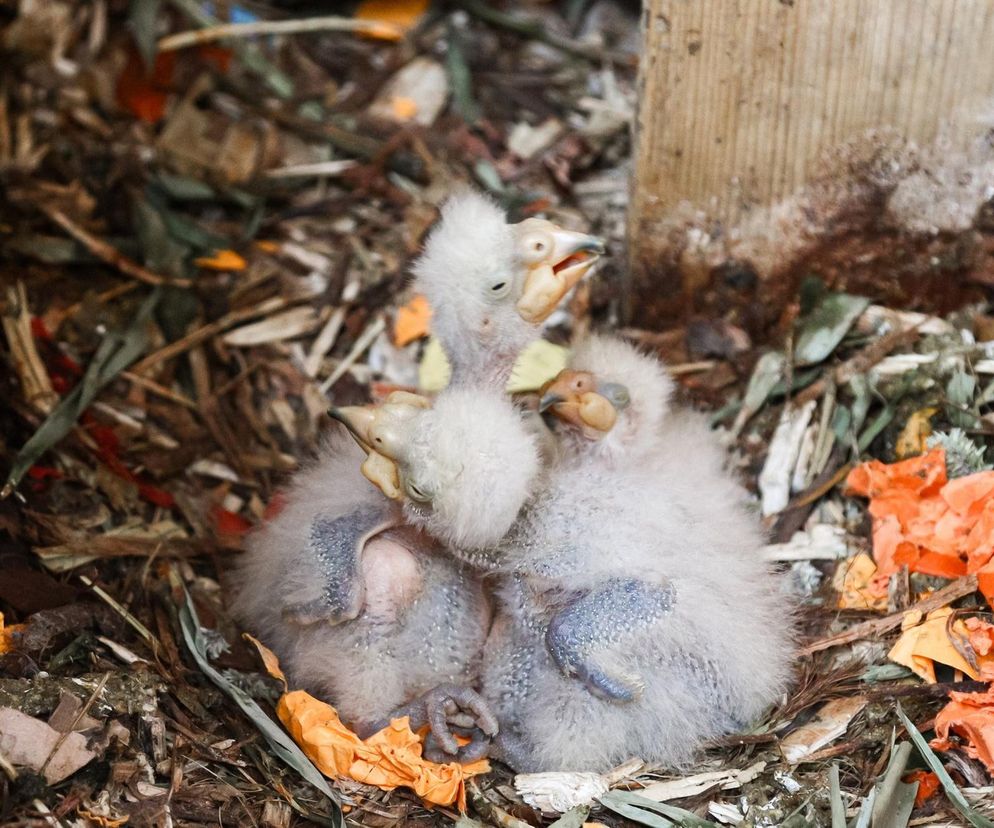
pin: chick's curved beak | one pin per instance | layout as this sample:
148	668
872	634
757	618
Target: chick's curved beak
590	412
549	280
378	468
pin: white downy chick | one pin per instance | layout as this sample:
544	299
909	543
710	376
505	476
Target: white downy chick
634	613
461	468
363	610
491	284
637	617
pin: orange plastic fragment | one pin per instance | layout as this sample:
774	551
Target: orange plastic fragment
928	785
388	759
398	16
222	260
928	523
413	321
971	717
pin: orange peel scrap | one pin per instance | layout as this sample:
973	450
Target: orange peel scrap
9	635
397	16
929	523
413	321
222	260
859	584
388	759
971	717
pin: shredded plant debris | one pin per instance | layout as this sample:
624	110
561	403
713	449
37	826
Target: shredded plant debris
208	214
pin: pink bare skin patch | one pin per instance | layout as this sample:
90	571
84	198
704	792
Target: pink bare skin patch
392	577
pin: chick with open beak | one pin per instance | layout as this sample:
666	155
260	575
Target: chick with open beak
579	400
491	284
555	260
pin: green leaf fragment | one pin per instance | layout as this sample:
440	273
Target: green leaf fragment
823	329
654	814
279	740
955	795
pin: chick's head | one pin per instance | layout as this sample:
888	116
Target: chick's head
462	466
612	400
491	284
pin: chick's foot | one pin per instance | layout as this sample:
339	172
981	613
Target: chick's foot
450	711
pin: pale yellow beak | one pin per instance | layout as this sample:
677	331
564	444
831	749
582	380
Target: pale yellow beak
552	276
570	398
380	431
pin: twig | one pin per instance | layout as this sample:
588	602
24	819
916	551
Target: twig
312	170
35	384
142	630
107	253
8	768
329	23
860	363
277	80
174	349
957	589
361	344
160	390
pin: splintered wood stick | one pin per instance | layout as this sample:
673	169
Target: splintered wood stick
329	23
16	319
107	253
876	626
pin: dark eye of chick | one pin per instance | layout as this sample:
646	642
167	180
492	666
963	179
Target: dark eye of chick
499	286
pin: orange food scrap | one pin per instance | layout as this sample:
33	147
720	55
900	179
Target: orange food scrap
859	584
398	16
222	260
403	108
923	644
928	785
267	246
412	322
388	759
971	717
930	524
9	635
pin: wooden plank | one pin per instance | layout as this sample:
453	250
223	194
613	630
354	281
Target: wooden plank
742	100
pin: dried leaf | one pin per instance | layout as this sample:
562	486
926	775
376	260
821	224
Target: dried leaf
830	722
32	743
654	814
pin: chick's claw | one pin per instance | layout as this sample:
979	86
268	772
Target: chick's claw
450	710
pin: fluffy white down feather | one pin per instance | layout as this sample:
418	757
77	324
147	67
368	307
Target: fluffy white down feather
425	620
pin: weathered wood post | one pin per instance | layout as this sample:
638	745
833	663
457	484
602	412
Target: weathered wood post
763	124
